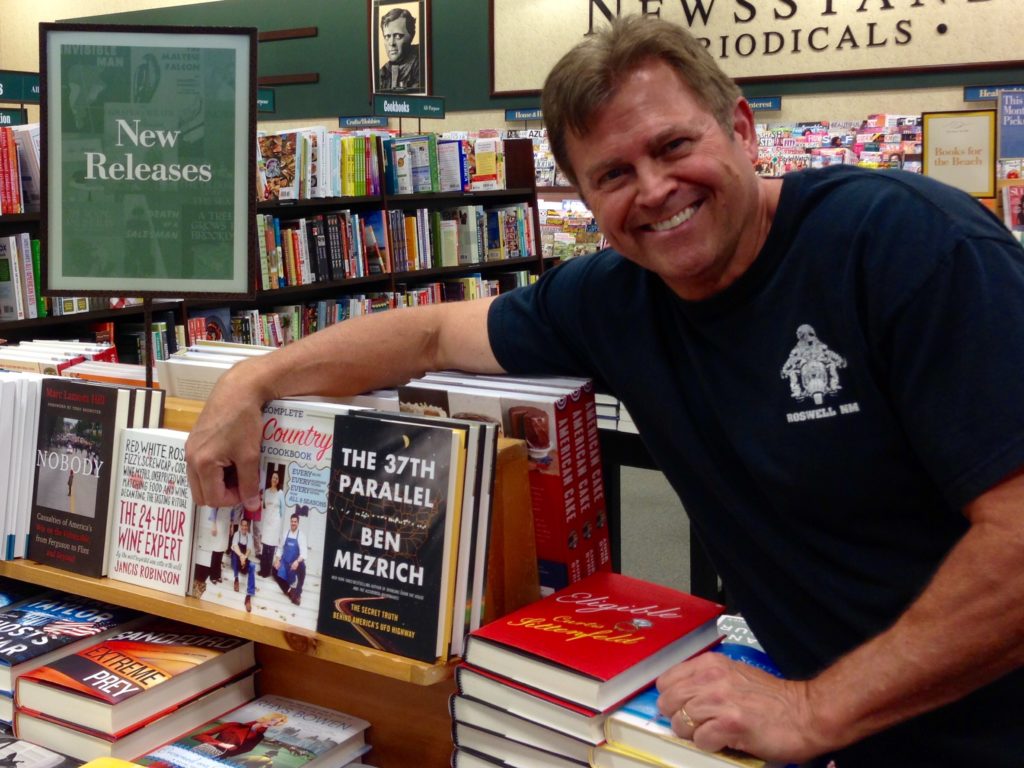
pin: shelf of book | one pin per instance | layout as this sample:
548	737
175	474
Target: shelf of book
508	588
233	622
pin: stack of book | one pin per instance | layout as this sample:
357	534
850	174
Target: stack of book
557	418
39	628
540	682
132	692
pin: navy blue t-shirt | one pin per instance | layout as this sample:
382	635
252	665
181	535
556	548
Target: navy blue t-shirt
825	418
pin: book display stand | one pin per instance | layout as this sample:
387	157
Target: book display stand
405	701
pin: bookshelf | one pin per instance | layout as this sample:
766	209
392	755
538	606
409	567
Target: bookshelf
406	701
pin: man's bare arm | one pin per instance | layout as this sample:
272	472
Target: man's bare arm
348	358
965	630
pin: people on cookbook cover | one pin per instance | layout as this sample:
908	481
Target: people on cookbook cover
266	558
864	514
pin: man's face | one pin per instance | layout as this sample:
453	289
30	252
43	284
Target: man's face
669	187
295	523
396	40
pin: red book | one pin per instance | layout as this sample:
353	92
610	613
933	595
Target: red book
597	641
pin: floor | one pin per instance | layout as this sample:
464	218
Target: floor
655	533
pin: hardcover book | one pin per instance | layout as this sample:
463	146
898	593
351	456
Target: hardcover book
115	684
517	729
269	562
151	533
638	727
86	744
598	641
393	523
270	731
530	704
79	425
37	630
280	164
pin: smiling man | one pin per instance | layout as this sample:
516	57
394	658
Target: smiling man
824	367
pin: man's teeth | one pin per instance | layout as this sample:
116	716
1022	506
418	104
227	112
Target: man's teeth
676	220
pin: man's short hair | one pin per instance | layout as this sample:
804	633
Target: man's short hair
400	13
588	77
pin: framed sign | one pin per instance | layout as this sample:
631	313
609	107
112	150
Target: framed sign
148	153
399	46
959	149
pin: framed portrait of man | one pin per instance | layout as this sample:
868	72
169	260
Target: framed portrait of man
400	46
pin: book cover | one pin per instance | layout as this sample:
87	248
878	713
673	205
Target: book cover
597	641
79	425
269	562
18	753
151	533
280	164
271	732
216	323
1010	122
114	684
393	521
14	591
1013	207
11	306
34	631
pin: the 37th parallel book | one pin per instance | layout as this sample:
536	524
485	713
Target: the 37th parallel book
272	731
271	560
79	424
38	629
598	641
151	668
637	727
393	524
474	524
18	753
151	533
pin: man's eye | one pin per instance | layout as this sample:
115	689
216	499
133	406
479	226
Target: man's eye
611	175
675	145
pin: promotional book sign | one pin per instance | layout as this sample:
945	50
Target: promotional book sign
148	154
392	528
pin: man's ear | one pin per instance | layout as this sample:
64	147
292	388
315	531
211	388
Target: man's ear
743	127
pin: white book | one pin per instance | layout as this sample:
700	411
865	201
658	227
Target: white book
153	513
11	307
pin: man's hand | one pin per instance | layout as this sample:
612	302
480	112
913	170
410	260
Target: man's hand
223	448
717	702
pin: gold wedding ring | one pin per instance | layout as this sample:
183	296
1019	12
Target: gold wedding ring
686	718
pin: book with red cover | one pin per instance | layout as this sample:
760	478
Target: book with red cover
597	641
113	685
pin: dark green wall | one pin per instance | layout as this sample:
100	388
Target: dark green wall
340	52
461	61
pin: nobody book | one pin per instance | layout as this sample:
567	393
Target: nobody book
114	684
79	424
597	641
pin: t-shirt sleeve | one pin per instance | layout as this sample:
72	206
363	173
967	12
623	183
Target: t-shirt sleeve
542	328
954	366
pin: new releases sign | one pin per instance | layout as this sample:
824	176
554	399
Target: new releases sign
767	38
148	154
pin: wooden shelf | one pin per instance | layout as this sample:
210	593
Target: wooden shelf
256	628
